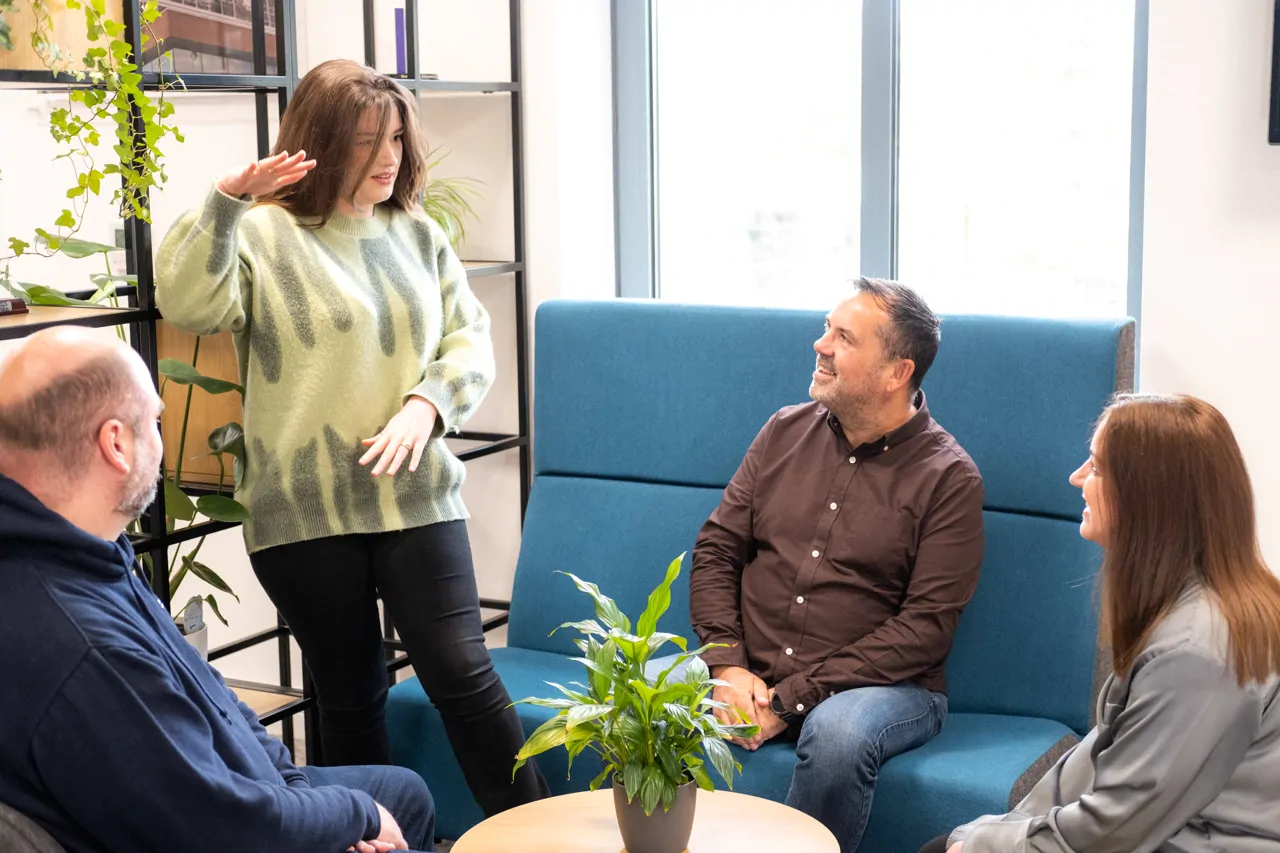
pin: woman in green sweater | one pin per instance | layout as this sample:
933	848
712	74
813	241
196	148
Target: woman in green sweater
360	345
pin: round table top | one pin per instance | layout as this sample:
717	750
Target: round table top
585	823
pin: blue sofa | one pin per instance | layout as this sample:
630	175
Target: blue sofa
643	411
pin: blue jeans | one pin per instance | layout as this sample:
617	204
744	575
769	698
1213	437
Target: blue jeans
401	792
844	741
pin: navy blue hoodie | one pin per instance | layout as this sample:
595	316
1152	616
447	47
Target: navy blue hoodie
114	734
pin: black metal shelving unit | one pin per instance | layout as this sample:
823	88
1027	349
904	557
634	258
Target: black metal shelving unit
141	314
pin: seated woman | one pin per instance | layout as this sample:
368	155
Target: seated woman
1186	754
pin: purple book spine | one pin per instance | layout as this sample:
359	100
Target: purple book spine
402	67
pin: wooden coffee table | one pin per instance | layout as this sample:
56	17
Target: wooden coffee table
585	823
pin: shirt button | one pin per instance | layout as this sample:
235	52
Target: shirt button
799	599
789	651
833	506
852	459
799	706
816	553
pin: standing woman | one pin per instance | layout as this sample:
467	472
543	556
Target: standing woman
360	345
1186	755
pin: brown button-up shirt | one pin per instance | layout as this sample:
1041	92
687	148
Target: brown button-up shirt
828	566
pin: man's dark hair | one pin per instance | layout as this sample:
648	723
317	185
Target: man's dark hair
913	330
63	417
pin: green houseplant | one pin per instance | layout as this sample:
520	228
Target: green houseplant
655	736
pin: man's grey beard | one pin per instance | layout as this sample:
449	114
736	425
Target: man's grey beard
138	494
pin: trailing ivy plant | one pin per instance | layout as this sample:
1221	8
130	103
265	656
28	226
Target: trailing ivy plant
108	88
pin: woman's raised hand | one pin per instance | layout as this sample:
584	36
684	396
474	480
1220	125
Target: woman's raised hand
266	175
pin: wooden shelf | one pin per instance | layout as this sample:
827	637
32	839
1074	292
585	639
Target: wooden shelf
44	316
262	702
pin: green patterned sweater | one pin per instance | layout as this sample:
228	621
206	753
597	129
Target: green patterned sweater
334	329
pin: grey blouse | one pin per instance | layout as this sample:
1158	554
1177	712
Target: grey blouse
1183	759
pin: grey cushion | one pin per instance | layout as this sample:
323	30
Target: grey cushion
20	834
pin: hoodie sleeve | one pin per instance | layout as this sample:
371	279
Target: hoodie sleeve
131	759
272	746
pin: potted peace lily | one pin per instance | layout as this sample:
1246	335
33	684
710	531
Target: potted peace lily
655	736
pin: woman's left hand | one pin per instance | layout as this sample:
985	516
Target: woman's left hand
407	433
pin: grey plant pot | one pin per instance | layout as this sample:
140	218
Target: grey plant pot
660	832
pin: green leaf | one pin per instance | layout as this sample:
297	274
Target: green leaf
18	246
176	503
66	219
646	691
659	600
599	780
700	776
632	777
681	715
586	626
557	704
228	438
184	374
213	605
221	508
697	673
74	247
650	788
606	609
580	698
38	294
207	575
660	639
720	758
547	736
585	714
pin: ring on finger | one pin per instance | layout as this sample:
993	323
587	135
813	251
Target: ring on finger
406	445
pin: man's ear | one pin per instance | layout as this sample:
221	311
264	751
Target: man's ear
115	446
900	375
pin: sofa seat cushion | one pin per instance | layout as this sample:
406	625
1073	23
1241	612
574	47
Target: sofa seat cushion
968	770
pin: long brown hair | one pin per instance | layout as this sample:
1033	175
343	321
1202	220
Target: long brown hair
1182	507
323	119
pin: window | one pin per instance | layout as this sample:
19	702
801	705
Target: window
1014	155
996	138
758	170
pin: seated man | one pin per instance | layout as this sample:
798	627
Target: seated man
840	558
115	736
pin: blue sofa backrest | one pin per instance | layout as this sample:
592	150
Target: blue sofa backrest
643	410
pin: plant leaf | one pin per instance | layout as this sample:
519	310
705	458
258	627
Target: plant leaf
585	714
659	600
221	508
208	575
557	704
73	247
176	503
184	374
599	780
547	736
660	639
213	605
586	626
632	776
606	609
701	777
580	698
650	788
228	438
681	715
720	758
697	673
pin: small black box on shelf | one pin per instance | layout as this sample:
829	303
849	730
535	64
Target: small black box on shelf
12	306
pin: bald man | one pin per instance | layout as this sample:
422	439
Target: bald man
115	735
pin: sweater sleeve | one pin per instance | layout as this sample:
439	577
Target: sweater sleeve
202	282
456	380
1183	731
272	746
121	710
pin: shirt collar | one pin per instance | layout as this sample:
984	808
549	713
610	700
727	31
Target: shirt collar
915	425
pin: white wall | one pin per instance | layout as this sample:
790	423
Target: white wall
1211	255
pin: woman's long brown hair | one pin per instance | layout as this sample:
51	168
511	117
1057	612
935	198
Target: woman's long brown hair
1179	495
323	119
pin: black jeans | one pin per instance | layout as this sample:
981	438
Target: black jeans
326	589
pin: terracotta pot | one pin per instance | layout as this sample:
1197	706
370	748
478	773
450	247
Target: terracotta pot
660	832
